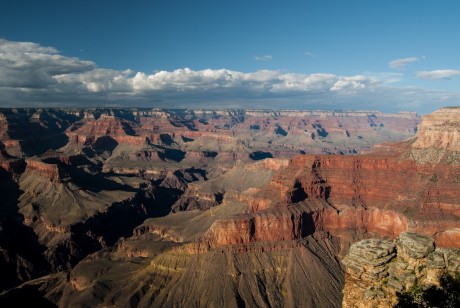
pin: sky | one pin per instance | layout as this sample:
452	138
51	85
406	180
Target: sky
388	55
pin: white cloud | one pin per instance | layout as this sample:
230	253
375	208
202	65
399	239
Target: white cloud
401	64
304	83
352	84
24	47
437	74
31	74
96	80
24	64
310	54
263	58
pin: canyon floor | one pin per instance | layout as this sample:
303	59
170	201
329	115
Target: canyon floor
216	208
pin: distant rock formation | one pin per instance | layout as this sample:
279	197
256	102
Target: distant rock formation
227	133
138	205
440	130
377	270
438	139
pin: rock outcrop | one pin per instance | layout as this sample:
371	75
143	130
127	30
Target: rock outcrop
142	204
377	270
278	133
32	131
438	139
440	130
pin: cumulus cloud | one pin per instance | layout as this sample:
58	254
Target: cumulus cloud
352	84
30	65
437	74
263	58
401	64
31	74
95	80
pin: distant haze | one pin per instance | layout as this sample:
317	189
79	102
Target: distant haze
381	55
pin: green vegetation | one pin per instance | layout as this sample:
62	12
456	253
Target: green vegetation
446	295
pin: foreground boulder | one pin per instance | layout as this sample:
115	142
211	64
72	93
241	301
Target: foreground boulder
378	271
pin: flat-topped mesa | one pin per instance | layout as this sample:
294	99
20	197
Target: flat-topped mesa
272	225
118	129
51	171
440	130
303	113
322	123
54	166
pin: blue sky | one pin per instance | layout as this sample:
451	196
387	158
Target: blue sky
386	55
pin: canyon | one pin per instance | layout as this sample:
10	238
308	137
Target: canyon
149	207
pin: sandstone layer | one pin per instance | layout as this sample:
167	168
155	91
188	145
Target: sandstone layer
144	207
377	270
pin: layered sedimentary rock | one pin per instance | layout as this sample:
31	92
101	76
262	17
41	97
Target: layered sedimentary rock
74	210
377	270
89	131
369	194
33	131
280	133
440	130
330	199
148	207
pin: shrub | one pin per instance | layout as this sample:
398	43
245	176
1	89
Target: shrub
446	295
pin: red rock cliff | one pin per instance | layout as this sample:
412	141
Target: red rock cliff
381	193
440	130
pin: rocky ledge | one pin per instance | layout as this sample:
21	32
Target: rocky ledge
440	130
377	270
438	138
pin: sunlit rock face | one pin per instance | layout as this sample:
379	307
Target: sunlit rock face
247	134
439	138
440	130
138	205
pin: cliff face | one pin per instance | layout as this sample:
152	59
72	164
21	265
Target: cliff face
376	269
349	197
142	204
53	172
429	204
370	194
33	131
438	139
90	131
268	226
278	133
440	130
343	196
